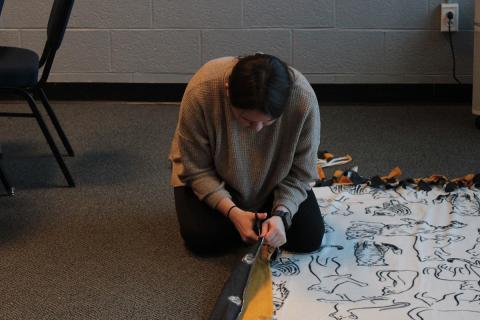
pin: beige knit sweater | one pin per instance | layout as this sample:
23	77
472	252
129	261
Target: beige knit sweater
211	152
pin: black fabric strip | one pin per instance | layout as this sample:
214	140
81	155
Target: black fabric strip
229	304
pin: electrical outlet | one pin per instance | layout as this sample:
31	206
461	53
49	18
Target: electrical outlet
446	8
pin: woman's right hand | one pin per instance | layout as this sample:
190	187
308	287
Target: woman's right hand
244	222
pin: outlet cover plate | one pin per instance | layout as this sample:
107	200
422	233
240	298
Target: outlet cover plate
446	8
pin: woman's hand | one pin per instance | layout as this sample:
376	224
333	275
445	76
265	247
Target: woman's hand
273	231
244	222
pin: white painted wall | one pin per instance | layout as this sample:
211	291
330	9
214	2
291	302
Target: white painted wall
165	41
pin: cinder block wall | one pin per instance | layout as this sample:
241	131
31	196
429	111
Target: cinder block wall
165	41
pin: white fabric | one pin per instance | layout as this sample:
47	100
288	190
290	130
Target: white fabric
401	254
324	163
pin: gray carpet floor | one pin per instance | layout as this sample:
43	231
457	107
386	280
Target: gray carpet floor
110	248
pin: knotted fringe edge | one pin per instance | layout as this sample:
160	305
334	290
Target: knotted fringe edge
392	181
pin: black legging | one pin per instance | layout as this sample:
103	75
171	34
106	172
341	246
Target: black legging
207	231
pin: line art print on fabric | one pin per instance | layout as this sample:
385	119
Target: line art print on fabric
386	254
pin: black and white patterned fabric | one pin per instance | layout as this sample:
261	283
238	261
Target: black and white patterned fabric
387	254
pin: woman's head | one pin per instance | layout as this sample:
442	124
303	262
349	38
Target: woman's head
260	83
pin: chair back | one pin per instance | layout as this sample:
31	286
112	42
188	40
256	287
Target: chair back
1	6
57	24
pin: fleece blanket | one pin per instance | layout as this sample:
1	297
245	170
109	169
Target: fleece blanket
401	253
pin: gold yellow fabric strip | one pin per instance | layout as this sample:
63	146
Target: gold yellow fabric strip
258	296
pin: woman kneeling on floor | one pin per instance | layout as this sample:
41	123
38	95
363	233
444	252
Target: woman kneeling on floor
245	148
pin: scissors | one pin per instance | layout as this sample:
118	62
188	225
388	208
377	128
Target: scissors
257	227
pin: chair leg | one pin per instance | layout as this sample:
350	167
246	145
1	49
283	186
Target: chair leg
56	123
6	184
4	180
49	138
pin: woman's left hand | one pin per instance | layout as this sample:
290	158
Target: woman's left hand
273	231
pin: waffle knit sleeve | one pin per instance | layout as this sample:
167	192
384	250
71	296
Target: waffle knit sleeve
194	146
292	190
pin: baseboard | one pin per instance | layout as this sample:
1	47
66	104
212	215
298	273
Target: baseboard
369	93
172	92
167	92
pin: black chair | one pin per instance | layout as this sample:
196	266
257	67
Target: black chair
19	69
